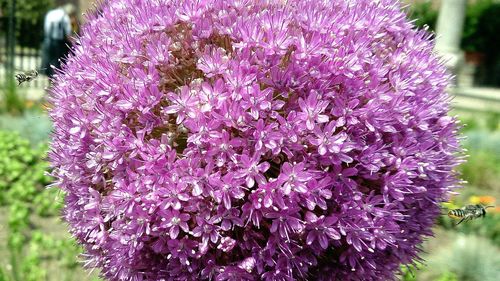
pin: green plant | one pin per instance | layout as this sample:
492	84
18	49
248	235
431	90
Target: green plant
448	276
470	124
488	22
484	125
424	14
3	275
472	37
412	273
493	121
482	169
22	189
16	158
488	26
409	272
49	204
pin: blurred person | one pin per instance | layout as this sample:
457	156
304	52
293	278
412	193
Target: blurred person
58	29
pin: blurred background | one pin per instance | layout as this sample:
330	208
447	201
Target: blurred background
35	245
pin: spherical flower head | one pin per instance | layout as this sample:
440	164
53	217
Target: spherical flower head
252	140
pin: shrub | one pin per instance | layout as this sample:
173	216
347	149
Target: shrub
23	194
487	29
482	168
16	158
493	120
473	39
252	140
424	14
413	273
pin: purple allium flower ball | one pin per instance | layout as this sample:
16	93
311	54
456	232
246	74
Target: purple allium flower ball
252	140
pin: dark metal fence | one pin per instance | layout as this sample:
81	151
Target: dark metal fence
24	59
14	57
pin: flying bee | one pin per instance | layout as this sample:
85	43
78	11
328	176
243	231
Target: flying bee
468	212
26	76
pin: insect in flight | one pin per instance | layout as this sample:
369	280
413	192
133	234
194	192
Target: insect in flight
26	76
468	212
